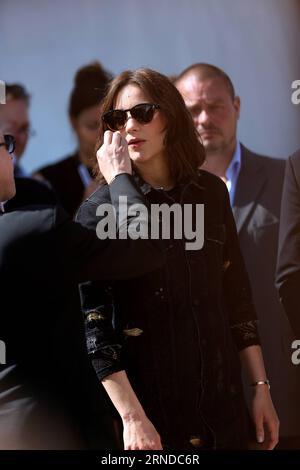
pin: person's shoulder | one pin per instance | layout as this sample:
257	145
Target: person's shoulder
295	158
216	196
34	233
211	181
30	191
28	182
62	164
271	164
31	220
293	166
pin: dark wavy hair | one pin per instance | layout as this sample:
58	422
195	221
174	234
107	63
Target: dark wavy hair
184	151
90	84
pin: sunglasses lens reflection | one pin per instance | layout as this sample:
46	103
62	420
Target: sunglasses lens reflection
9	143
143	114
116	120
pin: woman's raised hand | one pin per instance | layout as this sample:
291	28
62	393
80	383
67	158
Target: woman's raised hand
113	156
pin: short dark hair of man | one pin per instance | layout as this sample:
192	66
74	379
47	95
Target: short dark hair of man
16	91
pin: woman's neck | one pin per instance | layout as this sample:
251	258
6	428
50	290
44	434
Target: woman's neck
156	174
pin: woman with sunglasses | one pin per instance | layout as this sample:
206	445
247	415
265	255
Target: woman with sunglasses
49	393
167	346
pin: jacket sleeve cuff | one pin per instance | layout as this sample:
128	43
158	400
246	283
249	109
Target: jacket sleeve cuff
245	334
104	371
125	185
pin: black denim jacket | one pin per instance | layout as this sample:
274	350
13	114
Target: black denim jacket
177	331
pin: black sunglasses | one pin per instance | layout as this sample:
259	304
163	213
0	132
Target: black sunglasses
9	143
117	118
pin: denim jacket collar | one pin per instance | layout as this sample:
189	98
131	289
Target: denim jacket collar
146	188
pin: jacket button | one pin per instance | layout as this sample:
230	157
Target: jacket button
197	441
226	264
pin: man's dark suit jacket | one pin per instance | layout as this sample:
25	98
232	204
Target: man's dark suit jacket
29	192
43	255
256	211
62	176
288	268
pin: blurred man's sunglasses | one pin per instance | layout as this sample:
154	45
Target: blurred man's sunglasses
9	143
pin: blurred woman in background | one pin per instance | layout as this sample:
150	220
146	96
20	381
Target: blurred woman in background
71	178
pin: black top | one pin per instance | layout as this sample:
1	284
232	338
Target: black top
176	331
